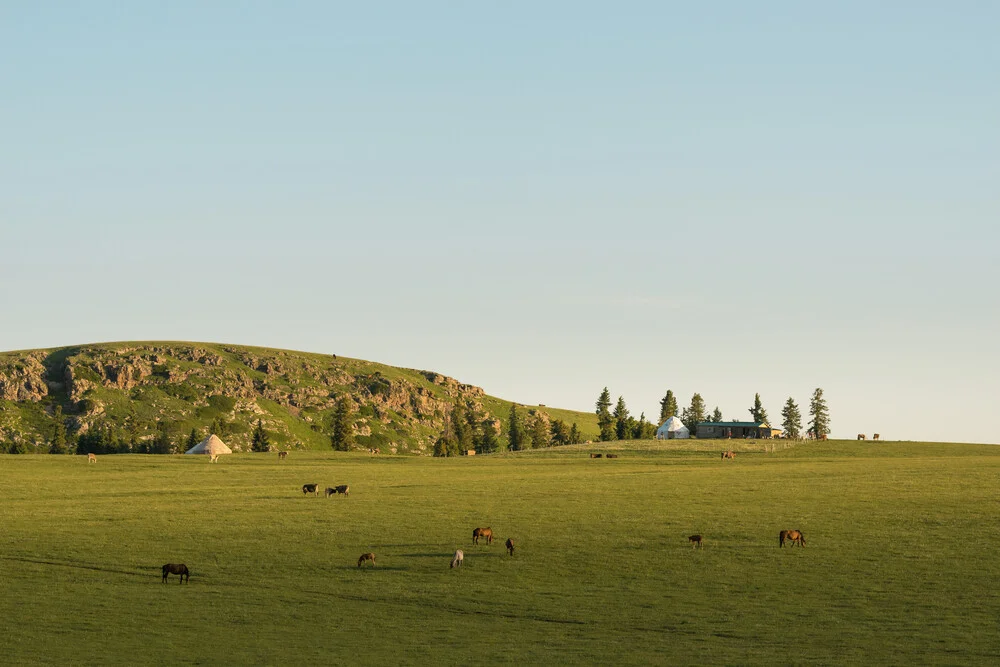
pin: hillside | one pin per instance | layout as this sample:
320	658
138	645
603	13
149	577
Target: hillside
133	391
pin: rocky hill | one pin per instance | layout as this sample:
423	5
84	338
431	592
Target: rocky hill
132	392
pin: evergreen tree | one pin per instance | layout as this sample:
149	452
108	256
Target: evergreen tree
717	415
668	406
17	447
604	419
757	412
575	437
161	442
643	430
260	441
340	436
539	432
621	420
487	441
695	414
58	443
193	439
819	425
792	423
460	430
559	432
515	430
218	427
445	446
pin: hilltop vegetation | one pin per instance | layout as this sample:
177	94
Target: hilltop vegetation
155	397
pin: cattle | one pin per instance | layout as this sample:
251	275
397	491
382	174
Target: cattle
730	454
310	488
457	560
875	437
861	436
176	568
695	541
610	456
282	456
596	456
331	491
485	533
91	458
510	546
365	558
794	536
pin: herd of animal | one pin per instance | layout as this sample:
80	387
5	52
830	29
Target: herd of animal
861	436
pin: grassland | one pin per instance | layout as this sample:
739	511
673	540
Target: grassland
900	565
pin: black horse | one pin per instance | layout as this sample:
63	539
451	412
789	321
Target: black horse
176	568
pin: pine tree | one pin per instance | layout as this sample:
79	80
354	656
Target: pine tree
757	412
487	441
668	406
193	439
604	419
819	425
559	432
460	430
539	432
515	430
445	446
340	436
161	442
643	429
717	415
621	420
575	437
58	444
792	423
260	441
695	414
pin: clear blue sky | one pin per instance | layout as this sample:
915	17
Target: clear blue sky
539	198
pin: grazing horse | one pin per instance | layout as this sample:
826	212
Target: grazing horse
610	456
214	459
510	546
861	436
730	454
310	488
91	458
794	536
595	456
366	557
695	541
176	568
485	533
824	437
282	455
457	560
875	437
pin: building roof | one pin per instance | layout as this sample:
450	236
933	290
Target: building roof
737	424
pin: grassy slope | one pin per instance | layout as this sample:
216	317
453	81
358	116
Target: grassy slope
899	568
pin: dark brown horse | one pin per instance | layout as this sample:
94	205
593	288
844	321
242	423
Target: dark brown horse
310	488
485	533
282	455
794	536
365	558
596	456
695	541
510	546
176	568
729	455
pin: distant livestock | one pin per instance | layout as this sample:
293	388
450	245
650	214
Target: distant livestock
875	437
91	458
484	533
309	488
282	456
695	541
214	458
610	456
510	546
861	436
365	558
793	536
176	568
457	560
596	456
334	490
824	437
730	454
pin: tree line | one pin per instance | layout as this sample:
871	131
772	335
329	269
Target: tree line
470	429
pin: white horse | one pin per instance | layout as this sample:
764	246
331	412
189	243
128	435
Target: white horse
457	560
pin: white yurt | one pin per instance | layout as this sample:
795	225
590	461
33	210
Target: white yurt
671	429
211	445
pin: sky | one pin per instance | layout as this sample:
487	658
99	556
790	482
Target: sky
542	199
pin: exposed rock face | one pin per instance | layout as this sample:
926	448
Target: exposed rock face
23	380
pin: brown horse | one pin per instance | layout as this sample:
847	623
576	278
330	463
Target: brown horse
794	536
861	436
485	533
695	541
875	437
510	546
729	455
366	557
176	568
596	456
282	456
91	458
310	488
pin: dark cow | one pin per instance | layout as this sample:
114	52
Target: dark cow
176	568
343	488
485	533
310	488
365	558
510	546
695	541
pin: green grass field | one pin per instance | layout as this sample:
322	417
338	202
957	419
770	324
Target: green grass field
900	565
